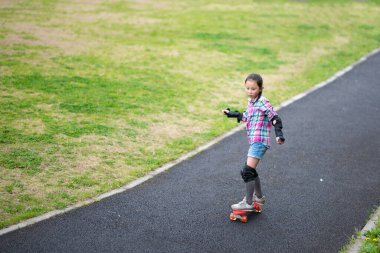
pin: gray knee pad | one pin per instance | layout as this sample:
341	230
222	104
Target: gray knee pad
248	173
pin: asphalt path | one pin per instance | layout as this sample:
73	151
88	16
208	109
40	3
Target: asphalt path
320	186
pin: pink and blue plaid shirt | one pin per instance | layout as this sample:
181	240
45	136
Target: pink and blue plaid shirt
257	116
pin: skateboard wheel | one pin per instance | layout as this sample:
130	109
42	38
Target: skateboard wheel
244	219
232	216
257	208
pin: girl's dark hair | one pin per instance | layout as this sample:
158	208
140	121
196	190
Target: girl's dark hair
258	79
255	77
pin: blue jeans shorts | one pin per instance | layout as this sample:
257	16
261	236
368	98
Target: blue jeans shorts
257	150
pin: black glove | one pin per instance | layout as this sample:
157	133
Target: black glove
277	123
233	114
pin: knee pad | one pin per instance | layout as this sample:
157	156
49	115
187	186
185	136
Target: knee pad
248	173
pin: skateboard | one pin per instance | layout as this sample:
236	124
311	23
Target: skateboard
242	215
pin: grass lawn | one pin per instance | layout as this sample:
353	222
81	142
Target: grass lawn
96	93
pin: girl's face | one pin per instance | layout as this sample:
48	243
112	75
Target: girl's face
252	89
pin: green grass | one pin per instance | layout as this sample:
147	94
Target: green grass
346	247
94	94
372	240
369	242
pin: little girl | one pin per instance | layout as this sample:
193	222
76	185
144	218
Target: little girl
259	117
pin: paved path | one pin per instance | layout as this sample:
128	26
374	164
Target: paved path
333	134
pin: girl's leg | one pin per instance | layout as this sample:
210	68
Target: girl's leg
254	185
252	162
258	191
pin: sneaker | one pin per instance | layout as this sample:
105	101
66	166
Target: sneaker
258	203
242	205
258	200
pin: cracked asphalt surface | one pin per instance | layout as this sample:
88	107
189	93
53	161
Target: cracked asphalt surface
332	134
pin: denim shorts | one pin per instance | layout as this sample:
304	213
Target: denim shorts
257	150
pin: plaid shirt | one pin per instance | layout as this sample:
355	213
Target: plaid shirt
257	116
